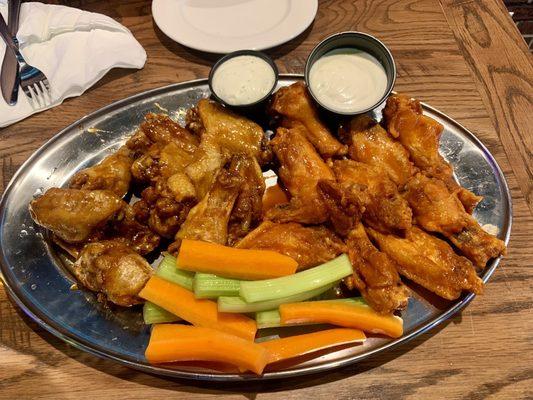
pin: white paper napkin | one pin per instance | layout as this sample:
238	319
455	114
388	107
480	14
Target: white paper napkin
73	48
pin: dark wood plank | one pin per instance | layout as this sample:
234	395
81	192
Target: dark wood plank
502	68
483	353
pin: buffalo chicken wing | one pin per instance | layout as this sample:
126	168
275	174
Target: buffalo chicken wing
294	104
300	170
375	274
430	262
436	209
309	246
420	135
385	210
370	144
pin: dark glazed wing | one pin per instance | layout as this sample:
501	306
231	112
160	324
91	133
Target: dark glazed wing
295	104
420	135
159	128
309	246
161	148
161	161
223	134
247	210
112	173
375	274
208	220
74	214
430	262
136	235
300	170
165	205
113	270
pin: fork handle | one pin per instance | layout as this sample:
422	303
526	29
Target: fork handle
13	12
4	32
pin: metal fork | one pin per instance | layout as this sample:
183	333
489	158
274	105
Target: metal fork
33	82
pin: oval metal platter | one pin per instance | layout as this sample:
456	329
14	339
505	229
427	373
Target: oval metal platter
34	275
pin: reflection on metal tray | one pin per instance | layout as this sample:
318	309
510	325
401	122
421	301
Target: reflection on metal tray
39	285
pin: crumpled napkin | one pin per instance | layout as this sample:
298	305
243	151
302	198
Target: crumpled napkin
73	48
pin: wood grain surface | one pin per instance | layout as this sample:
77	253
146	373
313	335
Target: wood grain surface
464	57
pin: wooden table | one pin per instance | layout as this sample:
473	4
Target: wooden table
465	58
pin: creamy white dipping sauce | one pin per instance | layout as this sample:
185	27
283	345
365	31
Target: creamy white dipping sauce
348	80
243	80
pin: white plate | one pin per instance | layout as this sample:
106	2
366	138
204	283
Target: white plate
223	26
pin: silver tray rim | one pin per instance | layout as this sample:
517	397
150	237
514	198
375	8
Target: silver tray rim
59	332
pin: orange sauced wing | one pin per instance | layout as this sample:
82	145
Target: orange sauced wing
300	170
294	104
420	135
430	262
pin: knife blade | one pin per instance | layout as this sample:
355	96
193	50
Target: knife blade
9	74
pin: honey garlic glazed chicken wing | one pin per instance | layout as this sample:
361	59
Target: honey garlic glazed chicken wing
165	205
75	214
112	173
161	161
159	128
131	232
161	148
208	220
248	207
223	134
294	104
113	270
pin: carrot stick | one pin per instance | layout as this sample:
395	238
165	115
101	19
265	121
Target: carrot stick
294	346
273	196
181	302
173	342
229	262
358	316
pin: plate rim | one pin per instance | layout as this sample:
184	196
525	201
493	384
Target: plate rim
217	50
79	343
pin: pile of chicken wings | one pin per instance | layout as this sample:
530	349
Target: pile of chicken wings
381	193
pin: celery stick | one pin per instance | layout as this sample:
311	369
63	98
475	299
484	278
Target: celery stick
268	319
272	318
313	278
209	286
167	270
238	305
153	314
355	301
